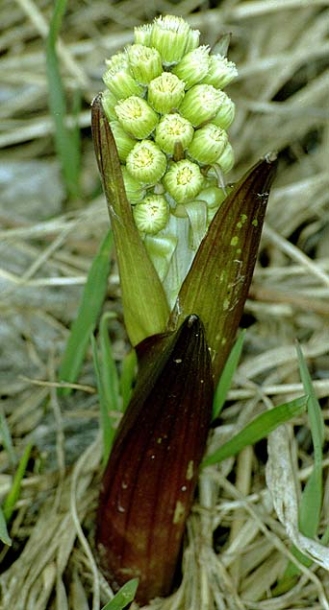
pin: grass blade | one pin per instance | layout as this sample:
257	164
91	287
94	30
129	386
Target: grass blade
89	310
124	597
67	140
226	377
108	385
259	428
4	536
13	495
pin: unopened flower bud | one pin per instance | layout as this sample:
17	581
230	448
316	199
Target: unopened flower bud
213	196
135	191
173	129
173	37
165	92
183	180
136	116
208	144
221	71
226	112
146	162
142	34
200	104
118	78
152	214
123	141
226	160
144	63
193	67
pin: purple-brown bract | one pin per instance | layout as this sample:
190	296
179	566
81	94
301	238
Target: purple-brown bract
150	479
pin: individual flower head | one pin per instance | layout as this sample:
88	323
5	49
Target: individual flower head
173	37
194	66
200	104
171	130
144	63
183	180
136	116
118	78
221	71
208	144
151	215
146	162
166	92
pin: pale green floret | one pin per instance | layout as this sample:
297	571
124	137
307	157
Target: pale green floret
117	62
142	34
200	104
152	214
120	81
173	37
146	162
124	142
226	160
221	71
183	180
166	92
135	191
136	117
144	63
208	144
226	112
173	129
193	67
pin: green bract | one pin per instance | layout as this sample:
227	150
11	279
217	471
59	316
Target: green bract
168	115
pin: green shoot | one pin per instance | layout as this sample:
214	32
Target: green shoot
124	597
13	495
4	536
311	499
257	429
89	310
108	385
226	377
67	140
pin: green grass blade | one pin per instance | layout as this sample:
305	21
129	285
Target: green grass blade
13	495
258	429
311	498
89	310
226	377
124	597
128	377
108	385
67	140
4	536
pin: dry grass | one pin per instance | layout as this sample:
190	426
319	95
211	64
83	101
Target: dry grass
46	248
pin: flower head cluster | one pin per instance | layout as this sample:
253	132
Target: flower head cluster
169	115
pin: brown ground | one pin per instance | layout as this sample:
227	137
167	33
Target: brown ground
47	245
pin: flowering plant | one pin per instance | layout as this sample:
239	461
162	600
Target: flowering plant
186	246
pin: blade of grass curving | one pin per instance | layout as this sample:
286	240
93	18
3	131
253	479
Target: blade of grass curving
124	597
13	495
146	310
226	377
90	307
67	140
217	284
257	429
311	498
